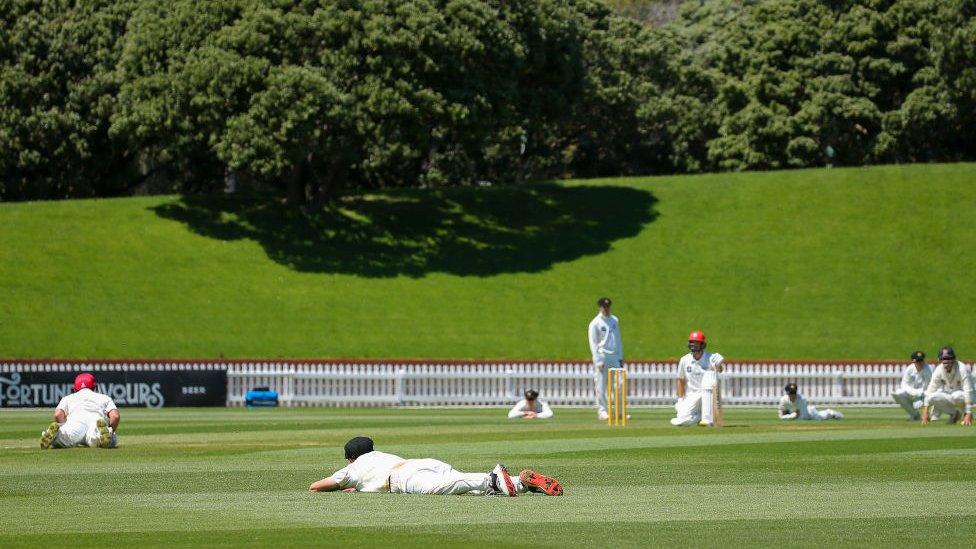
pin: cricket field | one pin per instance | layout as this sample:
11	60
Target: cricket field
238	477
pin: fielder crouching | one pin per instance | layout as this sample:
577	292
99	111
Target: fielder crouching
950	390
911	393
697	378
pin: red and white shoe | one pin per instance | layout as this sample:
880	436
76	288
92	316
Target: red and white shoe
537	482
501	481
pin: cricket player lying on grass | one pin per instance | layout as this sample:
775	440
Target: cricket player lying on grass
83	418
794	406
530	407
372	471
950	390
697	379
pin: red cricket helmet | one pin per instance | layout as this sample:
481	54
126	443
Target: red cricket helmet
698	336
84	381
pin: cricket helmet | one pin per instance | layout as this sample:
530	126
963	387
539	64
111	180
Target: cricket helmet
84	380
947	353
790	388
697	335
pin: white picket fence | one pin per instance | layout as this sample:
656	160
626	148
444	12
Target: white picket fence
452	383
338	383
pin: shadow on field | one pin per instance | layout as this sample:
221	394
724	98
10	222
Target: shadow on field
413	232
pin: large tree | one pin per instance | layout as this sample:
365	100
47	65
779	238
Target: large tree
775	84
317	95
57	91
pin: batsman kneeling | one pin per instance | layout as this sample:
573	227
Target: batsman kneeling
699	394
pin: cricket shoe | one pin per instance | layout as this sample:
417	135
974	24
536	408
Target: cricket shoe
501	481
704	423
104	434
537	482
48	435
603	416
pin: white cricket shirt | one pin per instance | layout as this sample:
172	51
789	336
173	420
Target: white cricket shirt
369	473
86	402
960	379
541	408
692	370
604	336
787	406
915	382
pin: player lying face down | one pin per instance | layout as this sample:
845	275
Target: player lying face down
373	471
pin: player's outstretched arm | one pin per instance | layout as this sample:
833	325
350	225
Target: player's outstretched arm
325	485
516	410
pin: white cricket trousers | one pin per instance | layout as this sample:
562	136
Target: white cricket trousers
696	406
813	413
80	430
948	403
600	382
431	476
688	410
908	401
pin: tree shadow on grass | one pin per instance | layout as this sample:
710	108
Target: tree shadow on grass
463	231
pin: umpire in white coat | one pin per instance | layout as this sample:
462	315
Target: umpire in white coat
911	394
607	350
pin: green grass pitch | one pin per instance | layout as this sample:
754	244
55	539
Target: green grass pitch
236	477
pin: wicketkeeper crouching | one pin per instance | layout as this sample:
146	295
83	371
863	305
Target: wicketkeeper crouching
950	390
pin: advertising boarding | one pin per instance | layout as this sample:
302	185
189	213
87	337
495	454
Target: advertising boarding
144	388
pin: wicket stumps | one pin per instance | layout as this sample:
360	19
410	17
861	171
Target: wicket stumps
617	397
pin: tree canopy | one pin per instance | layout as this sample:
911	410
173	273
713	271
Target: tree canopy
311	97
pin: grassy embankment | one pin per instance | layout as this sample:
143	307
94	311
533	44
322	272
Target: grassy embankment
864	263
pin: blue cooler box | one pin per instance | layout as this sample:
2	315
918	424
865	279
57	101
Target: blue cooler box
261	396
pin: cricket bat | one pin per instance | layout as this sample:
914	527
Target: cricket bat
716	361
717	405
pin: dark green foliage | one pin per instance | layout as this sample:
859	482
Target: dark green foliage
57	90
311	97
781	83
315	95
